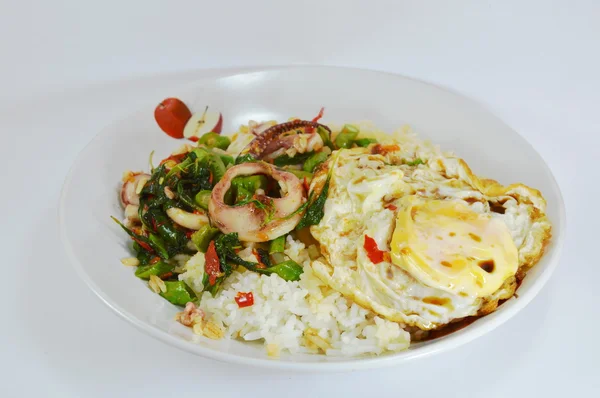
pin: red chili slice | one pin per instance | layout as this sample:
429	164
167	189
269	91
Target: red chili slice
375	255
211	263
391	207
244	299
306	185
309	130
143	244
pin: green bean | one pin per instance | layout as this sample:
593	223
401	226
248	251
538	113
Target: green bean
288	270
158	269
214	140
202	237
159	246
245	159
313	161
301	174
178	293
202	198
227	160
326	137
277	245
365	142
346	137
286	160
217	167
250	183
242	195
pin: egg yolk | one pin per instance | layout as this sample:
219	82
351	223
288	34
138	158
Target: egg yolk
446	245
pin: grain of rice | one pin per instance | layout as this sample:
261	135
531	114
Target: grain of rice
273	350
284	310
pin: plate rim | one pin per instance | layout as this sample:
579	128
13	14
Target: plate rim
450	342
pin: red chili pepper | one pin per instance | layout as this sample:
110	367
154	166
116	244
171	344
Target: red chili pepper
309	129
193	138
210	178
154	260
320	115
166	275
244	299
143	244
391	207
189	234
306	184
211	263
375	255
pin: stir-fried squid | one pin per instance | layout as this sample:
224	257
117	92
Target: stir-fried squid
262	218
278	136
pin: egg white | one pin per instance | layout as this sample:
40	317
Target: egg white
363	184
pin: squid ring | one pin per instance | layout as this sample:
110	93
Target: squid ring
263	218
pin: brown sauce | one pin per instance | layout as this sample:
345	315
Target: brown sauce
487	265
497	207
457	325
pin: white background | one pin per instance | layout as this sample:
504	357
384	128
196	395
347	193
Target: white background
70	67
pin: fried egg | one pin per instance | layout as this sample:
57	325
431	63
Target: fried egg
453	245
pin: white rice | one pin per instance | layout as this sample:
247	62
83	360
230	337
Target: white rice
284	313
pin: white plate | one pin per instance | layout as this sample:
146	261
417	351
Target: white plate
96	244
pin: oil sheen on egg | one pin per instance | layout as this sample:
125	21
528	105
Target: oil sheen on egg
447	252
445	244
